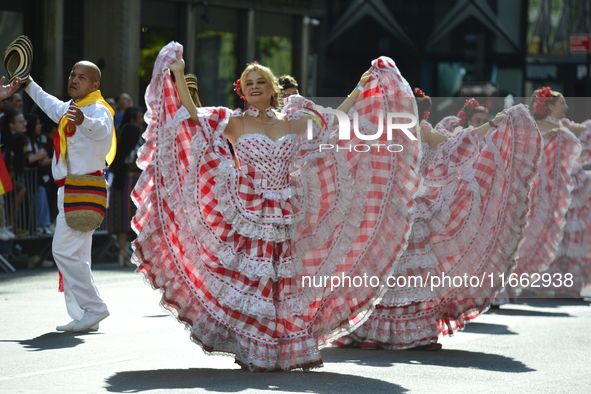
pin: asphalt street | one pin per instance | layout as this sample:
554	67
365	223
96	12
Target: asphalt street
535	346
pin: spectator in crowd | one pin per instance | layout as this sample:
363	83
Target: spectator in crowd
288	85
37	158
16	101
125	175
123	101
3	106
5	92
5	187
111	102
13	124
48	131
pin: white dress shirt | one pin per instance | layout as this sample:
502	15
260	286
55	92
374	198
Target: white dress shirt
90	144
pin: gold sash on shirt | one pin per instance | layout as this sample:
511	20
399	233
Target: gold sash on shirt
60	139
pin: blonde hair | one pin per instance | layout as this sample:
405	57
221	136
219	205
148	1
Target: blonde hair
267	75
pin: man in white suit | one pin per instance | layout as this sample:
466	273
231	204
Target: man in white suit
86	130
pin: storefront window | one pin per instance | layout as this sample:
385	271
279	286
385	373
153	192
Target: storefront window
215	60
160	21
274	43
450	77
153	38
216	54
551	22
275	52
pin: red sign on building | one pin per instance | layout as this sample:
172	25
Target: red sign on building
580	43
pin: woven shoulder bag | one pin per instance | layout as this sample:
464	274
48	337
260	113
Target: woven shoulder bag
85	201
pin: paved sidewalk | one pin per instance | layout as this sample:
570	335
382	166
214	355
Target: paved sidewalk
535	346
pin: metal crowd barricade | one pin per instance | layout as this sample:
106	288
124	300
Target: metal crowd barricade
23	218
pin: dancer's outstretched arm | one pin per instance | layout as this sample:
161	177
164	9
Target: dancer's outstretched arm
485	127
178	70
352	97
576	128
434	139
431	138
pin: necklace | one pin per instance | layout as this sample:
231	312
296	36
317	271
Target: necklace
254	113
552	120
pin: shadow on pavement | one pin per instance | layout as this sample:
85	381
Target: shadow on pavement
52	340
507	311
488	328
442	358
223	380
552	302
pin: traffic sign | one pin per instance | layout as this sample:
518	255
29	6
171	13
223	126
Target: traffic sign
580	43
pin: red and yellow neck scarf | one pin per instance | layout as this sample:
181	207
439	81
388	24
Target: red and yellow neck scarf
60	139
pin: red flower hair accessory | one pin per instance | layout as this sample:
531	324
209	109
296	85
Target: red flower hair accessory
546	92
464	113
543	95
418	92
238	89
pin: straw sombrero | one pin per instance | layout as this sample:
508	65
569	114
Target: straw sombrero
191	81
18	60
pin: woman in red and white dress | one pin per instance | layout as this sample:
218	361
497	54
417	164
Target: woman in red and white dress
240	253
469	220
472	114
556	255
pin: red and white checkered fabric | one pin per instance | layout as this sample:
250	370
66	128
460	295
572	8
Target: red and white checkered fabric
470	226
448	126
585	140
230	248
574	253
551	197
455	155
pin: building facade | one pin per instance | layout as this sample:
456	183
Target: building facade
446	47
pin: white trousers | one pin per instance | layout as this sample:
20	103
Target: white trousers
72	254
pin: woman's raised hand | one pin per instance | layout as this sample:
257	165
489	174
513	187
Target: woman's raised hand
365	77
178	66
350	100
499	117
